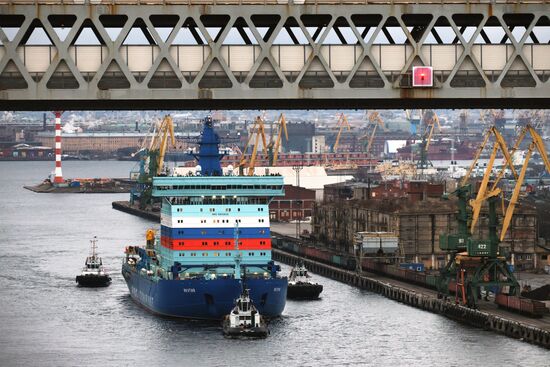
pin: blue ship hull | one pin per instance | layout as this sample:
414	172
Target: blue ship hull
201	298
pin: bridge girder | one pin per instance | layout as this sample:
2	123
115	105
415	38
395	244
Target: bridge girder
392	90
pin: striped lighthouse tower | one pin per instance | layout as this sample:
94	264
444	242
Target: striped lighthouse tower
58	174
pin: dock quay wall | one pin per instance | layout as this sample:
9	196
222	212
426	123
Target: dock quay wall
125	206
423	301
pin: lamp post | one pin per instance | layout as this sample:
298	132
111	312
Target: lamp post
298	168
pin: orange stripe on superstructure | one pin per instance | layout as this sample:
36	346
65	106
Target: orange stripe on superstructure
216	244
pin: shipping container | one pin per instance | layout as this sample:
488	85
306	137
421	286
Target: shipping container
412	266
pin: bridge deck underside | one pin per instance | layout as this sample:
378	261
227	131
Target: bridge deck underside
327	56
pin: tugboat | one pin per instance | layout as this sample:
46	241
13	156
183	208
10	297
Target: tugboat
300	286
244	320
93	274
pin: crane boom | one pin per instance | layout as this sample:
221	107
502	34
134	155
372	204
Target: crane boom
538	144
282	127
482	193
342	122
242	160
260	133
167	128
376	120
476	158
431	126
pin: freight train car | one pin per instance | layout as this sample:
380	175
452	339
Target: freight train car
526	306
385	267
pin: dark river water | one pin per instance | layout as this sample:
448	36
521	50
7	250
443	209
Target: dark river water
45	320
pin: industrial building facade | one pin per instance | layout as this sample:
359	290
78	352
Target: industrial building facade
418	224
94	142
297	204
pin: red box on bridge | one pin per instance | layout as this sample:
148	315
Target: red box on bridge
422	76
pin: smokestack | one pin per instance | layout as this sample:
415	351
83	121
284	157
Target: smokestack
58	174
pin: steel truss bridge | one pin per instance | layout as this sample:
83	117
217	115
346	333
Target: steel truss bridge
204	54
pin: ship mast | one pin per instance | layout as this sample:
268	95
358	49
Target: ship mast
93	247
238	255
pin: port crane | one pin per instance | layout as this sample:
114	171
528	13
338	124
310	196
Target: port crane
538	144
483	194
431	120
489	117
152	159
414	120
374	120
342	123
274	146
463	121
476	263
257	133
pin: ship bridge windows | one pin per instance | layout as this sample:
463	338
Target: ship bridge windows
218	187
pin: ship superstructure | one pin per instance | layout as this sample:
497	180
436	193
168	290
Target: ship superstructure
214	241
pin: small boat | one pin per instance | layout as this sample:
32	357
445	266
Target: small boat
244	320
300	285
93	274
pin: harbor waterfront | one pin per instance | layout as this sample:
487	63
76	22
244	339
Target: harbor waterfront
45	319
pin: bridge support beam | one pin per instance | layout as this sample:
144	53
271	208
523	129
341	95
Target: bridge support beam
464	75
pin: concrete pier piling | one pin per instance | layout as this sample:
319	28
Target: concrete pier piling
426	301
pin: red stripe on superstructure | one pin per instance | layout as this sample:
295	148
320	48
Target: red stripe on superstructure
216	244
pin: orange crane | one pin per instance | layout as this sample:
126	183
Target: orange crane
342	122
152	158
484	194
274	146
536	143
158	144
257	132
431	119
374	120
